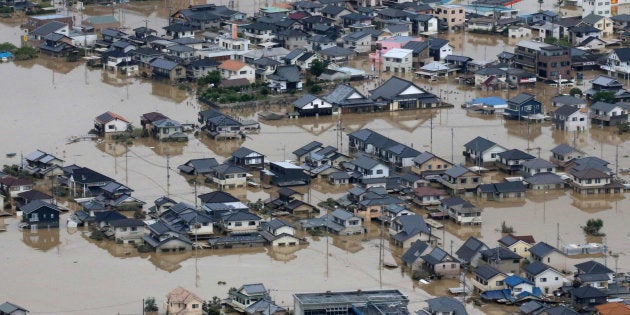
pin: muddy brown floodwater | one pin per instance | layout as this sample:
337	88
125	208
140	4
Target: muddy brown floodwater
45	101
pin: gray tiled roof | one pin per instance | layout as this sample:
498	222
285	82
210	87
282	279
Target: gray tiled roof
479	144
304	100
543	249
416	249
486	272
471	247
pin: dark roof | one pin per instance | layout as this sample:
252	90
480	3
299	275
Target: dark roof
126	223
509	239
417	47
10	308
304	100
499	253
414	252
365	162
446	305
217	197
47	28
584	29
568	100
411	225
243	152
287	73
37	204
603	106
392	88
560	310
515	154
566	110
178	27
522	98
86	175
588	292
486	272
336	51
333	9
436	256
592	266
307	148
502	187
468	250
542	249
479	144
34	195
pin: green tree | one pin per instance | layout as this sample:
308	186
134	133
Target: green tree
213	77
318	67
149	305
25	53
7	47
314	89
212	307
575	91
593	226
603	96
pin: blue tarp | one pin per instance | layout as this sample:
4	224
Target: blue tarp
490	101
6	54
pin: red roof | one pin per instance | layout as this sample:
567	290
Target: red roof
12	181
525	238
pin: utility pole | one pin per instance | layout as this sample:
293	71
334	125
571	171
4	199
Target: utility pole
195	182
431	134
168	176
452	147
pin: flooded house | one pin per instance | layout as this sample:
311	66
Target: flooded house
461	211
519	244
247	158
470	252
524	107
439	263
127	230
364	301
222	126
511	161
545	253
290	201
502	259
347	99
400	94
182	301
162	68
412	257
340	222
283	174
169	130
203	166
228	176
111	123
82	180
606	114
311	105
163	237
482	151
502	190
40	214
570	118
279	233
427	164
407	229
487	278
460	180
40	164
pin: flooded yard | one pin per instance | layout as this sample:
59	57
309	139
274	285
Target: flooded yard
45	101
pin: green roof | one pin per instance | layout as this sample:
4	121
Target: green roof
273	10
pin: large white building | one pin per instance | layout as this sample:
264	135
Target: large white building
398	60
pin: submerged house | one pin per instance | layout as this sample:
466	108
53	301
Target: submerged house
400	94
40	214
110	122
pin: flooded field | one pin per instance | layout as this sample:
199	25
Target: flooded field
48	100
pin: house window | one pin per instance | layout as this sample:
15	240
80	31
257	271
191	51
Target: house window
243	72
238	224
195	306
543	279
252	223
379	171
133	228
499	283
123	229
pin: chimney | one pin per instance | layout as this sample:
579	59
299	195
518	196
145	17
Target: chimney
234	31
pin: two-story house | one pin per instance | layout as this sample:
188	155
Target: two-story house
563	153
511	161
234	69
459	179
570	118
523	106
482	151
487	278
606	114
518	244
407	229
461	211
547	254
429	164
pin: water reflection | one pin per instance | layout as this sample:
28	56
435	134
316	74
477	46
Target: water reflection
41	239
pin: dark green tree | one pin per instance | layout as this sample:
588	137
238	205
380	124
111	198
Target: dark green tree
575	92
318	67
213	77
150	305
603	96
25	53
593	226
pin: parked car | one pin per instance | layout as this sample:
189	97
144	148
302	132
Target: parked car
563	82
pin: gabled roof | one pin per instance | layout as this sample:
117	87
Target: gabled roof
538	163
9	308
607	81
416	47
217	197
232	65
311	146
522	98
446	305
560	310
592	267
181	295
48	28
456	171
471	247
34	195
567	100
253	289
509	239
240	215
287	73
564	149
86	175
365	162
588	292
603	106
178	27
515	154
566	110
486	272
243	152
229	169
304	100
165	64
438	255
589	173
109	116
411	225
414	252
591	19
392	89
36	205
499	253
502	187
542	249
333	9
479	144
336	51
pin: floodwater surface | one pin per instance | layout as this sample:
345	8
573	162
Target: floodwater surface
62	271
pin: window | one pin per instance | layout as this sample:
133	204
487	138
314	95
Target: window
499	283
251	223
238	223
379	171
195	306
123	229
543	279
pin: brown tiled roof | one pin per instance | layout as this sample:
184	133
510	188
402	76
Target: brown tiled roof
232	65
181	295
12	181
